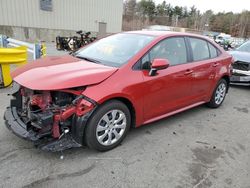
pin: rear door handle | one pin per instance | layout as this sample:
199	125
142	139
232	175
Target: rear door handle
215	64
189	71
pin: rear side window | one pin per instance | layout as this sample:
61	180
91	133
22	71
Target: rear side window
213	51
200	49
173	49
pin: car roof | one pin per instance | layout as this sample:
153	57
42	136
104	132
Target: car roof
164	33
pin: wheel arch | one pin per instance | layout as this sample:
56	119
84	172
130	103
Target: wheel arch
227	78
80	123
130	106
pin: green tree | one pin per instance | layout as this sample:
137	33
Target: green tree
229	22
169	9
130	7
185	12
192	17
205	20
178	11
147	8
161	9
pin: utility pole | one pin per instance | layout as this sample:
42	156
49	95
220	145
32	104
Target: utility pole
176	20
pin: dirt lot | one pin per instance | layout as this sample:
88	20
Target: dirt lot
198	148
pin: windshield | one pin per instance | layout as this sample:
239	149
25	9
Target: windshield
114	50
244	47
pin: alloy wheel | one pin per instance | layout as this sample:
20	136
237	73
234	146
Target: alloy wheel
220	93
111	127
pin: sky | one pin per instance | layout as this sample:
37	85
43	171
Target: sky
235	6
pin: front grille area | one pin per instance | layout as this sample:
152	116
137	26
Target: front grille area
241	66
238	74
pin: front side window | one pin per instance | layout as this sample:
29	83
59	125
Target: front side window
172	49
200	49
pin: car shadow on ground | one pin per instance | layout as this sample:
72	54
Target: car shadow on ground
240	87
173	124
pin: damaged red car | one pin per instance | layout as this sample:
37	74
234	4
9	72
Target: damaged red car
95	95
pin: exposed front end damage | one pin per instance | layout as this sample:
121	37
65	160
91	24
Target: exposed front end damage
53	120
241	73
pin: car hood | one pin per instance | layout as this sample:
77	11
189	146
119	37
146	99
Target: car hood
240	56
53	73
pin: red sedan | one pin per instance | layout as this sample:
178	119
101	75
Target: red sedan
94	96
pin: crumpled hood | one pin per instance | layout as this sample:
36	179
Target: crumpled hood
53	73
240	56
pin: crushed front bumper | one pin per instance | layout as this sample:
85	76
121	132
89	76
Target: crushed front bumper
240	77
18	127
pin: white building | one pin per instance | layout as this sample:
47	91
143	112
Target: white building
45	19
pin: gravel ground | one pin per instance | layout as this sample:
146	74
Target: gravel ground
198	148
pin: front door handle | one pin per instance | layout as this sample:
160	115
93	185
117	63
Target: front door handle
189	71
215	64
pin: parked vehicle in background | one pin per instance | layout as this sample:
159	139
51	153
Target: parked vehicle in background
237	42
74	43
224	40
219	39
125	80
241	65
157	28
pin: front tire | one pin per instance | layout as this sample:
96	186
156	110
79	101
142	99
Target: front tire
108	126
219	94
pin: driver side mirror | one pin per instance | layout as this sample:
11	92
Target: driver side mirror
158	64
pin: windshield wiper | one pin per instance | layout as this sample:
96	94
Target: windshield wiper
89	59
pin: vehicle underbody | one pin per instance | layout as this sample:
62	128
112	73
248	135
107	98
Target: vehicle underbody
241	73
53	120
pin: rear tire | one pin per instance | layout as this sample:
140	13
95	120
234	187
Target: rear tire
219	94
108	126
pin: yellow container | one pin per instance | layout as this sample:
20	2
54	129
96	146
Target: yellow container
10	56
43	50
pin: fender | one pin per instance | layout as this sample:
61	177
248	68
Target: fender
79	125
138	107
